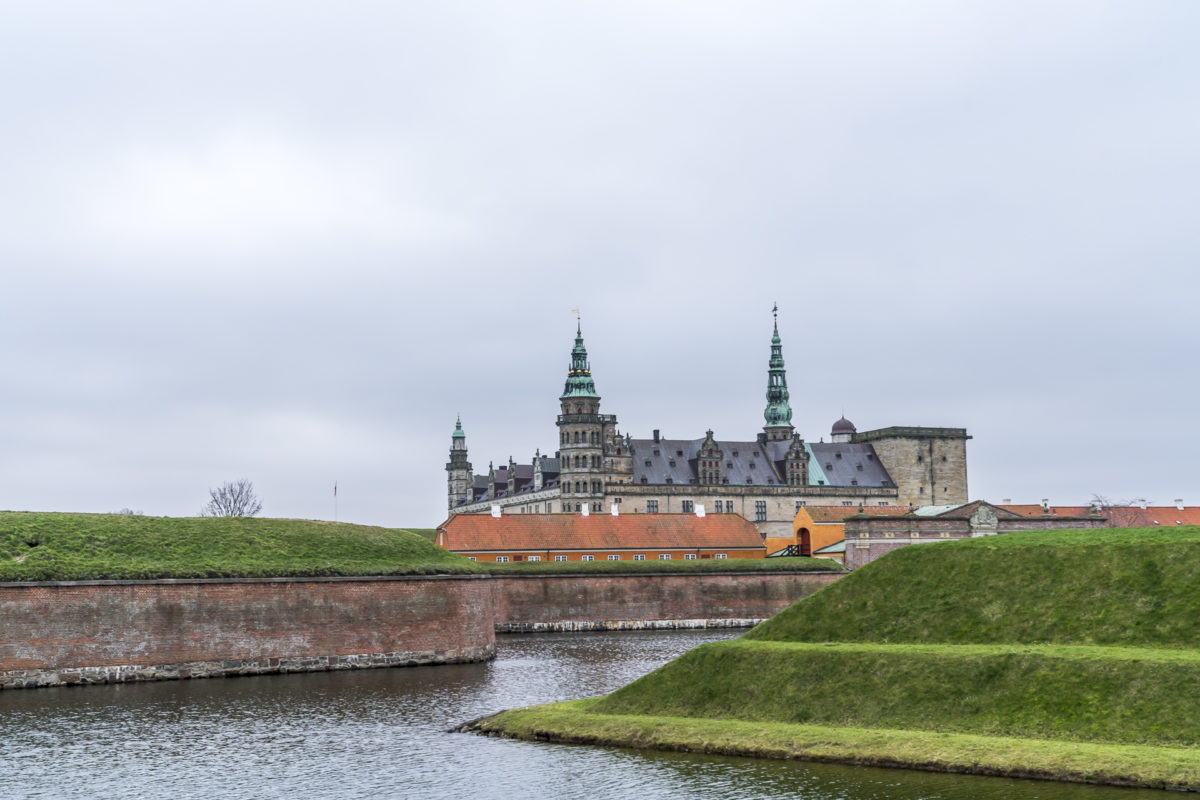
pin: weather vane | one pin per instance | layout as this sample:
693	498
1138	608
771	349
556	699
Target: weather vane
575	311
775	310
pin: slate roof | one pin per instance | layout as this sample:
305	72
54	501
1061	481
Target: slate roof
468	533
762	463
847	464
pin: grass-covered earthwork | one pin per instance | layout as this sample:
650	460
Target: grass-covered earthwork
1057	655
37	546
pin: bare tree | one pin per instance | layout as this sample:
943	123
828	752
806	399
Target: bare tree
232	499
129	512
1120	513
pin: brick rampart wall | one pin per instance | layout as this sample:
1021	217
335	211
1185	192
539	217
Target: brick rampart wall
116	631
574	602
104	631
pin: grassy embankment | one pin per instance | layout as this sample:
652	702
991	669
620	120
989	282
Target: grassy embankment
36	546
1072	656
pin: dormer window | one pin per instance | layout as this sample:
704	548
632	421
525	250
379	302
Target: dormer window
735	453
669	480
749	479
770	480
751	465
679	453
647	462
655	452
671	462
860	467
837	455
728	465
854	482
643	480
829	466
870	456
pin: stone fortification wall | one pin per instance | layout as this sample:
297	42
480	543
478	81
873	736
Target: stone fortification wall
107	631
623	602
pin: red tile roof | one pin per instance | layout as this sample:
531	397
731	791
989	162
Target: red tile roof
514	532
1121	516
841	513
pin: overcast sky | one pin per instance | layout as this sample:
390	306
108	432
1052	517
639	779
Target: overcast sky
289	241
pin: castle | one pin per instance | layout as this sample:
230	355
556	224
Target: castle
597	469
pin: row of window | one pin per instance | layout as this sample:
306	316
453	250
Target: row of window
593	438
611	557
595	462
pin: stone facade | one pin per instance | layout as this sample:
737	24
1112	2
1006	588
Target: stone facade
597	469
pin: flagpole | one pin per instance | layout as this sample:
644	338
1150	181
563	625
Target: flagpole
335	501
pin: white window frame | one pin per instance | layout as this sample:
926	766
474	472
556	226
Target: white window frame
639	556
534	558
587	558
689	556
560	558
720	555
501	559
613	557
470	558
664	556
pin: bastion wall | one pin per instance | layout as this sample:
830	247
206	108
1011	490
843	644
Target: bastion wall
115	631
621	602
82	632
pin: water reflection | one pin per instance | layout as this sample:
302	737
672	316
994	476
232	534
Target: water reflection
383	732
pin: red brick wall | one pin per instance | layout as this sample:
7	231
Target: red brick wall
53	626
522	601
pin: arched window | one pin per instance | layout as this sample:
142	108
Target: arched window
576	437
576	487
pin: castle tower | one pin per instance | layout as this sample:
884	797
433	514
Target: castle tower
778	412
460	483
581	435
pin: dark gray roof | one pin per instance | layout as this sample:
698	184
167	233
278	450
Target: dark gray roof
840	464
744	462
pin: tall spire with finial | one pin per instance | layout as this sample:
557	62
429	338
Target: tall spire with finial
579	373
778	412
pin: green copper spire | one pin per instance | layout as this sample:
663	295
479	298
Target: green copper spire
579	374
778	412
458	431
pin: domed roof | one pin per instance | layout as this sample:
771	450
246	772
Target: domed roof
844	425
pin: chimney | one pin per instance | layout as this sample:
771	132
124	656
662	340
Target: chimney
1179	503
656	435
496	510
699	510
1046	506
1007	501
585	509
615	511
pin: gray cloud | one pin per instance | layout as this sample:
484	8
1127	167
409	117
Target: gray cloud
289	242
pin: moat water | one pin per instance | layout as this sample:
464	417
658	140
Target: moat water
383	734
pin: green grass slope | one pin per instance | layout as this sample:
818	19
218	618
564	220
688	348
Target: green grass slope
1024	654
1136	586
1092	694
38	546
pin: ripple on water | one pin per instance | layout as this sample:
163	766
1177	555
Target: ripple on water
383	732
